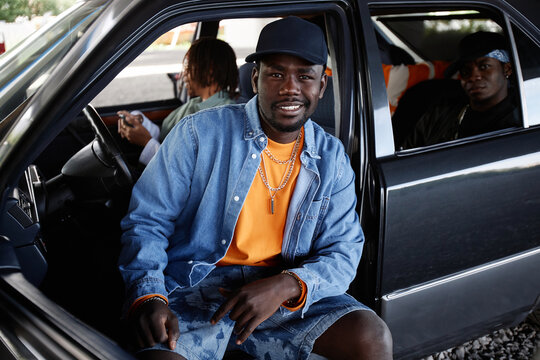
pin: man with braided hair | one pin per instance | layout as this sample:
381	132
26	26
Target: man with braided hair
210	76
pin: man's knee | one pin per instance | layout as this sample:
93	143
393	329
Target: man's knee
371	329
357	335
159	355
371	335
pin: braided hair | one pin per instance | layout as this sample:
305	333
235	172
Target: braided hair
210	60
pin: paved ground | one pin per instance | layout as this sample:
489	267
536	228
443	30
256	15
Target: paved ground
518	343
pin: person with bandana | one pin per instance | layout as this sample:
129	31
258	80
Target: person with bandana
489	104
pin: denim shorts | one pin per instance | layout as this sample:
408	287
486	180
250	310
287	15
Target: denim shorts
284	335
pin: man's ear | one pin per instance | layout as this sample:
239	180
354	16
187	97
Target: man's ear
324	82
254	79
507	68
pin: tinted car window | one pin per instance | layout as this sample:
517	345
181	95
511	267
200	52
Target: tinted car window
426	100
434	35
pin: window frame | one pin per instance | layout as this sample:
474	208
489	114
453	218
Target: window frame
502	16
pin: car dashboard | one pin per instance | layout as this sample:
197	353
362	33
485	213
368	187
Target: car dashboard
20	223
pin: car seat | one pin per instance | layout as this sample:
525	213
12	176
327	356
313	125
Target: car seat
417	100
324	114
244	82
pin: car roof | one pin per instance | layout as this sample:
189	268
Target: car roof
524	9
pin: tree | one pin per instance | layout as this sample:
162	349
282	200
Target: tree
11	9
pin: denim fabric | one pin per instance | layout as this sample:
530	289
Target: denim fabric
279	337
186	203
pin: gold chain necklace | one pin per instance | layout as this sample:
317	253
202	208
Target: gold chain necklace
286	175
275	159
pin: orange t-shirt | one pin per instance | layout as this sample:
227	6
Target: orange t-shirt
258	234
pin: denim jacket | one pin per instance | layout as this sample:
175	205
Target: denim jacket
184	207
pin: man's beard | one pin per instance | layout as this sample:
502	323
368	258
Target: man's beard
289	128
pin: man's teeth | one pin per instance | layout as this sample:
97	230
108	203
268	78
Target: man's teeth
291	107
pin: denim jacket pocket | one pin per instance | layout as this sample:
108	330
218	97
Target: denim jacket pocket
317	213
312	224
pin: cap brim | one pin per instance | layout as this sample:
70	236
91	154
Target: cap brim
258	55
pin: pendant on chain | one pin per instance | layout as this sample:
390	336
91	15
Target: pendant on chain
286	176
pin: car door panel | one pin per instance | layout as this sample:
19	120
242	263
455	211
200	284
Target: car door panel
424	317
454	220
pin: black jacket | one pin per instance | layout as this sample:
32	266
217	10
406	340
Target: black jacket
441	122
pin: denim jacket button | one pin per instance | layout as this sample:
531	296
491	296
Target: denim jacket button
236	198
253	156
250	133
190	262
223	242
261	139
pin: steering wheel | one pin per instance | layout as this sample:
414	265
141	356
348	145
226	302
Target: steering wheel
109	146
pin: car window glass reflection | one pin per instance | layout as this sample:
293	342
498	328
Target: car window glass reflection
529	58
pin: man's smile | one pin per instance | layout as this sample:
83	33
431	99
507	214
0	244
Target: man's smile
291	108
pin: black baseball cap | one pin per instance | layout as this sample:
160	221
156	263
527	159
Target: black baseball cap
293	36
472	46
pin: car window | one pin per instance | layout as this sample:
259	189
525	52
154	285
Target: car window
529	60
428	102
433	35
147	78
154	75
242	35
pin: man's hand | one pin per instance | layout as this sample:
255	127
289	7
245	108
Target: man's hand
255	302
153	323
130	127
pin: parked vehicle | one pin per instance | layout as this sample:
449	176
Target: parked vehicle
452	246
